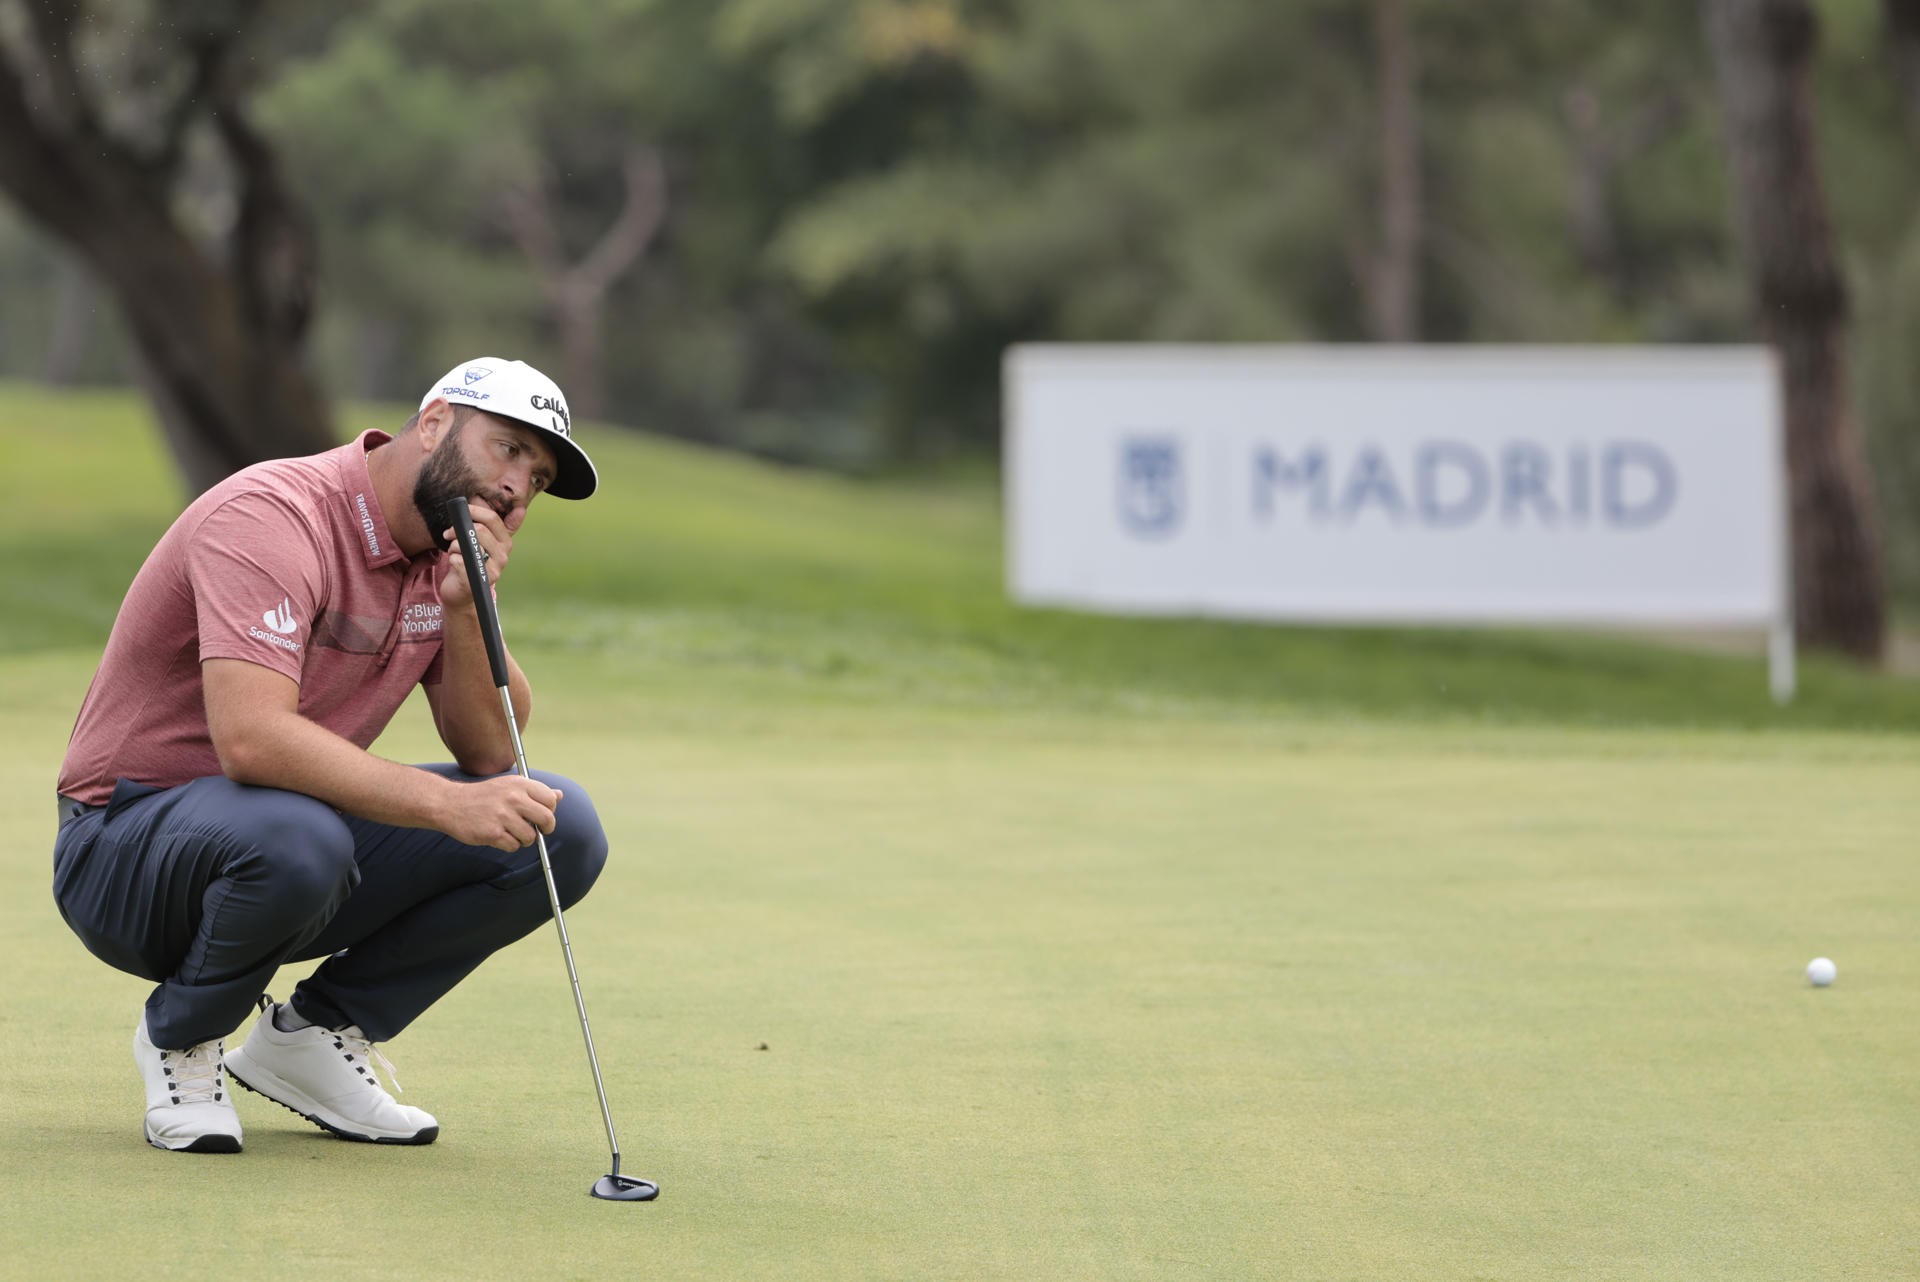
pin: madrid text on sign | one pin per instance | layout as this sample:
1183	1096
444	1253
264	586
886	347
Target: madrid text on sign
1448	484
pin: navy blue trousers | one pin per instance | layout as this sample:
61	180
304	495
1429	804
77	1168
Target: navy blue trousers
207	888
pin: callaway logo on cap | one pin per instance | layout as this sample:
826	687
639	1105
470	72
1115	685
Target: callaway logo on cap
516	390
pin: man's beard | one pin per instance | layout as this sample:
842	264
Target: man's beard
445	477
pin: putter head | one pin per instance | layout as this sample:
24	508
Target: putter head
625	1188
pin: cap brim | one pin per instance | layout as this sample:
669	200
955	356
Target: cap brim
574	477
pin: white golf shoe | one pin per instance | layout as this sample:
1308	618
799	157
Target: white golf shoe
326	1075
189	1109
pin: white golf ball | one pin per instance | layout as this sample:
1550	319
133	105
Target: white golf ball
1821	971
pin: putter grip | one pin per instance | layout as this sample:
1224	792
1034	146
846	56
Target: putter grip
483	605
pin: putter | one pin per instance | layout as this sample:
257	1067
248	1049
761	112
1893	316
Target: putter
613	1186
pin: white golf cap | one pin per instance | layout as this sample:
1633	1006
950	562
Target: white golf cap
516	390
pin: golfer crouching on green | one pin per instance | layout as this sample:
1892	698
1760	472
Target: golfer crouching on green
219	811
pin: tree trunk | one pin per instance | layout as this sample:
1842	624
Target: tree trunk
70	336
217	342
1903	43
1600	151
576	293
1393	278
1762	52
579	318
1595	234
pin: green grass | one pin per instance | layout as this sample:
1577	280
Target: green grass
1075	954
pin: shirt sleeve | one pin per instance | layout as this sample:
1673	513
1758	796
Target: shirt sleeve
258	581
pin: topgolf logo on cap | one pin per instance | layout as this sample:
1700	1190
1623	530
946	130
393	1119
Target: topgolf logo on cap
477	372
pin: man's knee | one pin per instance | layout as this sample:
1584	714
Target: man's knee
298	850
578	845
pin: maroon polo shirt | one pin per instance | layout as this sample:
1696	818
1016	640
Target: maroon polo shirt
289	565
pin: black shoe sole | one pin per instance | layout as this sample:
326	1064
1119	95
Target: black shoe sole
205	1144
427	1136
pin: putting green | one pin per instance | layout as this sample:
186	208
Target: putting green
1056	992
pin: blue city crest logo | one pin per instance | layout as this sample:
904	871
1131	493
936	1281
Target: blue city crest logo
1152	491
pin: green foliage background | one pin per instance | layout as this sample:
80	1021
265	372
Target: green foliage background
869	199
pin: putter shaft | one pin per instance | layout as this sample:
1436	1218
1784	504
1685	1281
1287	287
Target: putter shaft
615	1186
566	946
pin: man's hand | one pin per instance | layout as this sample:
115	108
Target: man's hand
501	812
496	540
466	709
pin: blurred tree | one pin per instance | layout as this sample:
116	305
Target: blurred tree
810	228
1602	148
123	133
998	171
1869	142
1333	170
575	181
1763	52
575	290
404	161
1903	42
70	334
585	182
1566	195
1390	274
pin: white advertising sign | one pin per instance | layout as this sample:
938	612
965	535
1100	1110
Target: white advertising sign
1607	486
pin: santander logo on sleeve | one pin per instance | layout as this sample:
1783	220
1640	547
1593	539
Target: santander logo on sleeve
281	624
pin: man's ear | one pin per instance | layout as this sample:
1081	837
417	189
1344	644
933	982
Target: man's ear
433	423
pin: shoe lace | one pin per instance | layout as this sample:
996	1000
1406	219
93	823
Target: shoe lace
352	1042
197	1074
